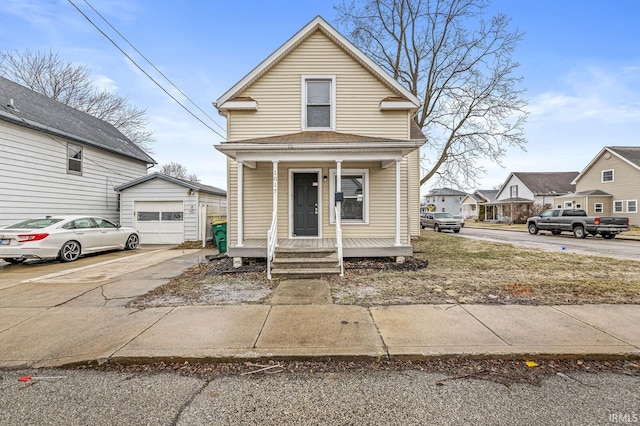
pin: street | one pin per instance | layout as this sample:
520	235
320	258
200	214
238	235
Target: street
593	246
359	397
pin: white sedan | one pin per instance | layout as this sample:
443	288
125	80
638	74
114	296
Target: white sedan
65	238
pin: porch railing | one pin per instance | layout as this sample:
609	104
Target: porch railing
272	241
339	241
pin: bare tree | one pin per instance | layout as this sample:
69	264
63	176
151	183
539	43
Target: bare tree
459	65
177	170
71	84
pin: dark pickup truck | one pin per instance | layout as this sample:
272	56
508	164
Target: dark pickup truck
577	221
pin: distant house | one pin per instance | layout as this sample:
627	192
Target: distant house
524	194
443	200
168	210
323	154
609	185
479	205
55	159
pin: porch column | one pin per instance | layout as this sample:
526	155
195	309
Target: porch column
397	243
239	219
275	194
339	189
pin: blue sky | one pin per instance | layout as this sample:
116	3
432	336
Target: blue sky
580	61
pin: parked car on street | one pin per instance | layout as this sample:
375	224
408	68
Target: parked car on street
440	221
65	238
577	222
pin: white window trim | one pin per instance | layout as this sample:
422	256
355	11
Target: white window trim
598	207
615	210
568	204
303	101
635	210
81	161
332	191
602	176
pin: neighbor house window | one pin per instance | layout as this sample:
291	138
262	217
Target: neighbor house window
319	96
513	191
618	206
578	206
172	216
147	216
568	204
598	208
355	204
632	206
607	176
74	159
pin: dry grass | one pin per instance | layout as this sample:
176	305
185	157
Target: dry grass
469	271
459	270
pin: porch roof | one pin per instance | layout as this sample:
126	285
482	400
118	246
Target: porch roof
320	146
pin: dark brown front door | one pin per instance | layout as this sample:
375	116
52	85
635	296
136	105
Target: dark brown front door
305	204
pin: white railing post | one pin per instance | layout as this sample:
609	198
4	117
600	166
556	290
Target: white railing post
338	210
397	243
272	234
240	212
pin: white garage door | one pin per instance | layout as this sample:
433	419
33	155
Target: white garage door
159	222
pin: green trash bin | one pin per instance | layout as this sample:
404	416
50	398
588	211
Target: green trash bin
220	235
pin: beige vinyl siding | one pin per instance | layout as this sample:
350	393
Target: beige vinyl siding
625	185
279	93
35	181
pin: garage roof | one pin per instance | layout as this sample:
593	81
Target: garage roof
196	186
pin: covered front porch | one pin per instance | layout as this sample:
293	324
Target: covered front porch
351	247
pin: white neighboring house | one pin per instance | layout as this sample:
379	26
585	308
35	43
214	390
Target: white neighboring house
524	194
167	210
443	200
56	160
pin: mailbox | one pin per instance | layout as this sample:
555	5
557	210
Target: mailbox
339	196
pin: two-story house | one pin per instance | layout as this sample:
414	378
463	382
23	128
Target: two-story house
609	185
443	200
58	160
323	154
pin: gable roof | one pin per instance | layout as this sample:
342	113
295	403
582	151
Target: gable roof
546	183
24	107
445	192
196	186
317	24
628	154
488	194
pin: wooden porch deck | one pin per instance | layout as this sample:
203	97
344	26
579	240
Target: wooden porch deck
351	247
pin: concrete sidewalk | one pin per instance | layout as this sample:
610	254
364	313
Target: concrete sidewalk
43	323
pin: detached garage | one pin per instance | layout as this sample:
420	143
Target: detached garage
167	210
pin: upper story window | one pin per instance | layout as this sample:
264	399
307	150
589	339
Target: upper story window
74	159
607	175
319	102
513	191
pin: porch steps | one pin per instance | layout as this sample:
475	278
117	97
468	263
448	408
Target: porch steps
297	263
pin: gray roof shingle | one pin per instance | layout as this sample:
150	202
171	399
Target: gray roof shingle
548	182
630	153
34	110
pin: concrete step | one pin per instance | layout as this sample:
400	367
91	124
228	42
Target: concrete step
304	273
305	263
306	253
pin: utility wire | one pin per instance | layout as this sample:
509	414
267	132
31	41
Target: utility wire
150	63
143	71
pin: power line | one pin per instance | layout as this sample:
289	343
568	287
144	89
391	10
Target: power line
143	71
150	63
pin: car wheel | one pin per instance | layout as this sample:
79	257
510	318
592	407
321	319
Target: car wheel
456	230
132	242
579	232
13	260
533	229
69	252
436	228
